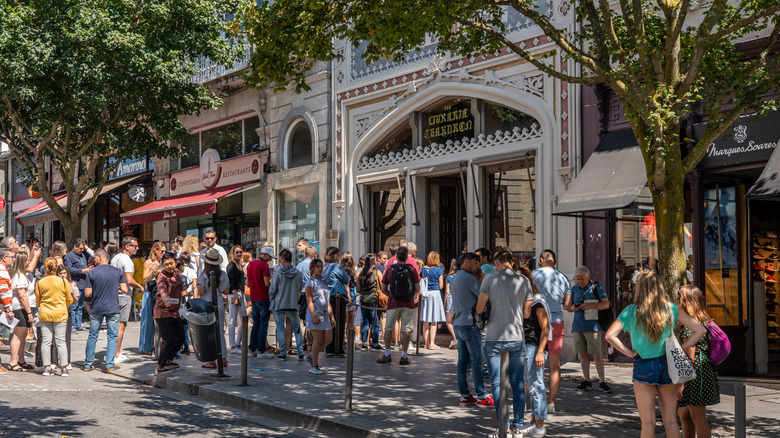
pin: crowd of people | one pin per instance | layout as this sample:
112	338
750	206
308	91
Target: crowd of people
488	302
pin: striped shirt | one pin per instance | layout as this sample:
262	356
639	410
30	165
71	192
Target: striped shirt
6	292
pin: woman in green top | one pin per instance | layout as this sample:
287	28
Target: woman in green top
649	322
704	390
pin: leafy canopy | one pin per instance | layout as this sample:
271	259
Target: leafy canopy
84	81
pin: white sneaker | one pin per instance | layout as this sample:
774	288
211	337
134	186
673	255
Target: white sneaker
532	432
509	434
266	355
69	367
121	358
315	370
236	351
550	408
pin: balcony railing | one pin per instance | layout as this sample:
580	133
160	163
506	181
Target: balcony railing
209	70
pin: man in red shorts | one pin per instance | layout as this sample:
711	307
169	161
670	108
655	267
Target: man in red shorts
553	285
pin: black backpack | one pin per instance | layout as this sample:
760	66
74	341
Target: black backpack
401	286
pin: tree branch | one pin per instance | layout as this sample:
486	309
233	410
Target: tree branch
747	21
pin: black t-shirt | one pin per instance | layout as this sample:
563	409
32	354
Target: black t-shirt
531	327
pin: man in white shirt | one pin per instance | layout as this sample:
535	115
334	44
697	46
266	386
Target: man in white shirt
123	261
211	242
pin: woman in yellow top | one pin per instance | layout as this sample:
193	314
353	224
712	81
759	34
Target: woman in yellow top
53	296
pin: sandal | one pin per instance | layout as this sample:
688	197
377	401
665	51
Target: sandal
18	368
26	366
209	365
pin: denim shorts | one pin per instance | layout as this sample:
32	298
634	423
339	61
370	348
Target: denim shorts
651	371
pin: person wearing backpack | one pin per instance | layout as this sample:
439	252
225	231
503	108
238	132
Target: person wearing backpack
694	396
368	288
403	283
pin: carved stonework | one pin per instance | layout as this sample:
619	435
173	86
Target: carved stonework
393	159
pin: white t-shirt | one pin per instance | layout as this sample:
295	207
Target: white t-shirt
123	262
21	281
188	274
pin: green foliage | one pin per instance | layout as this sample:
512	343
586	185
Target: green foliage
83	81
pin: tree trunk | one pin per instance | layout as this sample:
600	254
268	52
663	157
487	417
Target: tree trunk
72	232
669	203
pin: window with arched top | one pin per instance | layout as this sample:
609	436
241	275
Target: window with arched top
300	145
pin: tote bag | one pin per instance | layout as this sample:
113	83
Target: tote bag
679	364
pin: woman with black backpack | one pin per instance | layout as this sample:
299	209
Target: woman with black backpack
368	288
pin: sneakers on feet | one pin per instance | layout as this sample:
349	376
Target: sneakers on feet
315	370
487	402
550	409
604	387
509	434
377	348
282	357
532	431
236	351
404	361
266	355
363	347
470	400
48	372
64	373
453	345
120	359
384	359
585	385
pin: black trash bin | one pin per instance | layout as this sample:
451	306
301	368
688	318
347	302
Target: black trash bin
202	335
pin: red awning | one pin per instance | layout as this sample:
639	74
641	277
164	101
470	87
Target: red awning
193	204
40	212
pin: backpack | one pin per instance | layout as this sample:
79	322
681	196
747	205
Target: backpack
720	346
401	282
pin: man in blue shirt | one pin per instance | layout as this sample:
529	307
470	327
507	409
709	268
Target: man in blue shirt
464	288
77	265
585	299
104	283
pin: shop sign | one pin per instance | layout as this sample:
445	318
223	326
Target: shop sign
210	168
449	122
138	194
245	169
751	139
131	166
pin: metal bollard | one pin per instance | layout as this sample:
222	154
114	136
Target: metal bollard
503	395
739	411
350	369
417	333
244	347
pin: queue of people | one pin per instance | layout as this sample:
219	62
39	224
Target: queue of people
488	302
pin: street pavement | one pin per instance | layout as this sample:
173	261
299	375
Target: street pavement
390	400
97	404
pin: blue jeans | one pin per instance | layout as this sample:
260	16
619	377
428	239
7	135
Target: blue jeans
146	337
292	316
470	350
516	367
535	382
77	309
261	313
369	319
112	332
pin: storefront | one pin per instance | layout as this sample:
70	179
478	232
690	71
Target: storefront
134	191
220	195
731	230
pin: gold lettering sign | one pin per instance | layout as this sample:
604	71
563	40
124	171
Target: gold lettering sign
450	122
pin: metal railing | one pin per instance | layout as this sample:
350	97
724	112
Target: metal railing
208	70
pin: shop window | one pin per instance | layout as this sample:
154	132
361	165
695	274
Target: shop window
226	139
389	217
512	215
298	216
721	253
300	148
501	118
190	151
251	139
396	142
